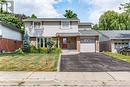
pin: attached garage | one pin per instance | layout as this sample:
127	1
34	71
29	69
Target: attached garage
89	41
87	45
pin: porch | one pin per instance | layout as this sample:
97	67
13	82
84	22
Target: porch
69	41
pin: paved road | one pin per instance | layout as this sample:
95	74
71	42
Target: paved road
92	62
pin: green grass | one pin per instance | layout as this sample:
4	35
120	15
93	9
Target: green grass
29	62
118	56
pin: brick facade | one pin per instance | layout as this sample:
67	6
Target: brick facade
78	44
9	45
97	44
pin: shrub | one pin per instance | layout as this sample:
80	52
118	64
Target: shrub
50	45
43	50
56	50
19	51
33	49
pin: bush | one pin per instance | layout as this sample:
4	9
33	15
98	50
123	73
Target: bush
50	45
33	49
43	50
19	51
56	50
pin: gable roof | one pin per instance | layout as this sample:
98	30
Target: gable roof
80	33
9	26
49	19
116	34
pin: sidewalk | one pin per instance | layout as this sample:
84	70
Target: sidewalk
65	79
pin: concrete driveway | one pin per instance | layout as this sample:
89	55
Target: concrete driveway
92	62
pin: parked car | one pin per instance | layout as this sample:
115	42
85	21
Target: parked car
125	51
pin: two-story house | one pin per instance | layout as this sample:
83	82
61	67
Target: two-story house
68	33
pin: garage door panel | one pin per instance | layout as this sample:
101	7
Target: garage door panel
87	45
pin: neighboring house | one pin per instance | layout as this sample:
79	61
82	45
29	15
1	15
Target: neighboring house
68	33
10	38
114	40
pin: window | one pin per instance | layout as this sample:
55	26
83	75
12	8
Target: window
65	24
40	42
37	25
64	40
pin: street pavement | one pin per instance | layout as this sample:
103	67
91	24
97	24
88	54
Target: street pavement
64	79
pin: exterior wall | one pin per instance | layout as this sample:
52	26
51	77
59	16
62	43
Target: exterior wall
78	44
51	28
105	46
104	43
0	32
84	27
10	34
9	45
97	44
71	42
113	47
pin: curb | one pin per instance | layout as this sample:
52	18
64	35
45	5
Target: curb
59	63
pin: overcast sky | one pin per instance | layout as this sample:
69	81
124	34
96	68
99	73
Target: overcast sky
87	10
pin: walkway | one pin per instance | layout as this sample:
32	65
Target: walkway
64	79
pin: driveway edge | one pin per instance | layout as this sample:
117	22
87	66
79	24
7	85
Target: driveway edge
59	63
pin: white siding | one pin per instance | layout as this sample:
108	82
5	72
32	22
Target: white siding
10	34
113	47
85	27
50	29
0	32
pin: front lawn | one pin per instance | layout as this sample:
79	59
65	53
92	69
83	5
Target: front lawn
118	56
29	62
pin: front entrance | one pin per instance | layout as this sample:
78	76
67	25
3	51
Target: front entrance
68	43
64	44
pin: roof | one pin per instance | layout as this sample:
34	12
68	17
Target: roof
80	33
9	26
68	34
49	19
85	23
88	33
116	34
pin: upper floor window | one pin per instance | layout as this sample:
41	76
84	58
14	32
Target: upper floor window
37	25
65	24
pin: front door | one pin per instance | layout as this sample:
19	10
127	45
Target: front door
64	43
